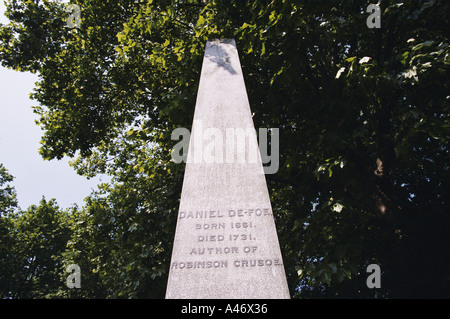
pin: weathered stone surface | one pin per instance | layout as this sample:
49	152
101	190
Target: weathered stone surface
226	245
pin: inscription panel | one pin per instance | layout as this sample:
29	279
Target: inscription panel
223	239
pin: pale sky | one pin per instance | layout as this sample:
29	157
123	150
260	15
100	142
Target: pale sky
19	144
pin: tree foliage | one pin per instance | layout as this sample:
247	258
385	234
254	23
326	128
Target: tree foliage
32	243
363	117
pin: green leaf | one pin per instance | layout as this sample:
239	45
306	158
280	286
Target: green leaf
422	45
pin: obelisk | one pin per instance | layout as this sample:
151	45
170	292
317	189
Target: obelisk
226	245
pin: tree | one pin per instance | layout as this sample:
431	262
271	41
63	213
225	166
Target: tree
363	116
8	203
32	243
8	196
41	236
121	242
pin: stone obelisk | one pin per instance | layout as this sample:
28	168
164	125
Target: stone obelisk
226	244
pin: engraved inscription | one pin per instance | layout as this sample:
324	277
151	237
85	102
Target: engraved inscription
199	264
215	250
238	263
222	250
230	213
210	226
249	212
201	214
242	225
229	234
211	238
241	237
257	262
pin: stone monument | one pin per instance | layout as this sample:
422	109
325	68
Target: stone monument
226	244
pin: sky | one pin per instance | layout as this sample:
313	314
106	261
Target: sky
19	144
